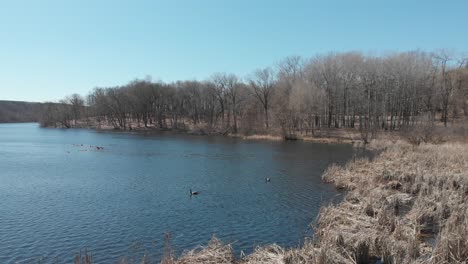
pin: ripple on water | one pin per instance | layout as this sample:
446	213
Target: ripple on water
58	200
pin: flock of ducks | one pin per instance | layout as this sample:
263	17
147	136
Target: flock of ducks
86	147
192	193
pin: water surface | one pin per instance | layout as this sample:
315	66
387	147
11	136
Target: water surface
58	197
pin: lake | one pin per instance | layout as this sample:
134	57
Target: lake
58	196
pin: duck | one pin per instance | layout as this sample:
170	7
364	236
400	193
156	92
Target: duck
267	179
193	192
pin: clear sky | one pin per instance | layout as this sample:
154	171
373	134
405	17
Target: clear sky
52	48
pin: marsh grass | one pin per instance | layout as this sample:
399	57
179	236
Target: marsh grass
401	201
83	257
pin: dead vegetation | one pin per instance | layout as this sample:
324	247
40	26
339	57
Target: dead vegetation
214	253
408	205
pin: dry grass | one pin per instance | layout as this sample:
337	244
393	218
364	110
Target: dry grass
328	139
214	253
262	137
401	202
84	257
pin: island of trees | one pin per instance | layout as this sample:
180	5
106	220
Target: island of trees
296	97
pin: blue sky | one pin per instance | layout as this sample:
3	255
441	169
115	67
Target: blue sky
52	48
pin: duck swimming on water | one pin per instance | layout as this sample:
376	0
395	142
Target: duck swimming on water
193	192
267	179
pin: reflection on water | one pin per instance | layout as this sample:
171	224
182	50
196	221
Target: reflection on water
58	196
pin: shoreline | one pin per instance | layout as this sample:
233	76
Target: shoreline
334	136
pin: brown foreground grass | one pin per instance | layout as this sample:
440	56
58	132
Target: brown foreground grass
407	205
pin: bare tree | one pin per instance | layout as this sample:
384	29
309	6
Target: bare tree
233	90
450	78
220	82
77	106
263	84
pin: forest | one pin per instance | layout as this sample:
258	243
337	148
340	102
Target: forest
16	111
297	96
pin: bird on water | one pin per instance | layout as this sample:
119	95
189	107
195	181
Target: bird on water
193	192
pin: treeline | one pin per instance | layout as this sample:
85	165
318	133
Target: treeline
17	112
297	96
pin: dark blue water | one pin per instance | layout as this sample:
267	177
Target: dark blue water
57	198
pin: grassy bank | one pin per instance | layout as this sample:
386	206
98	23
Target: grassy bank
407	205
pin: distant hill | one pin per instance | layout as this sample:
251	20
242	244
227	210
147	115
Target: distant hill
17	112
